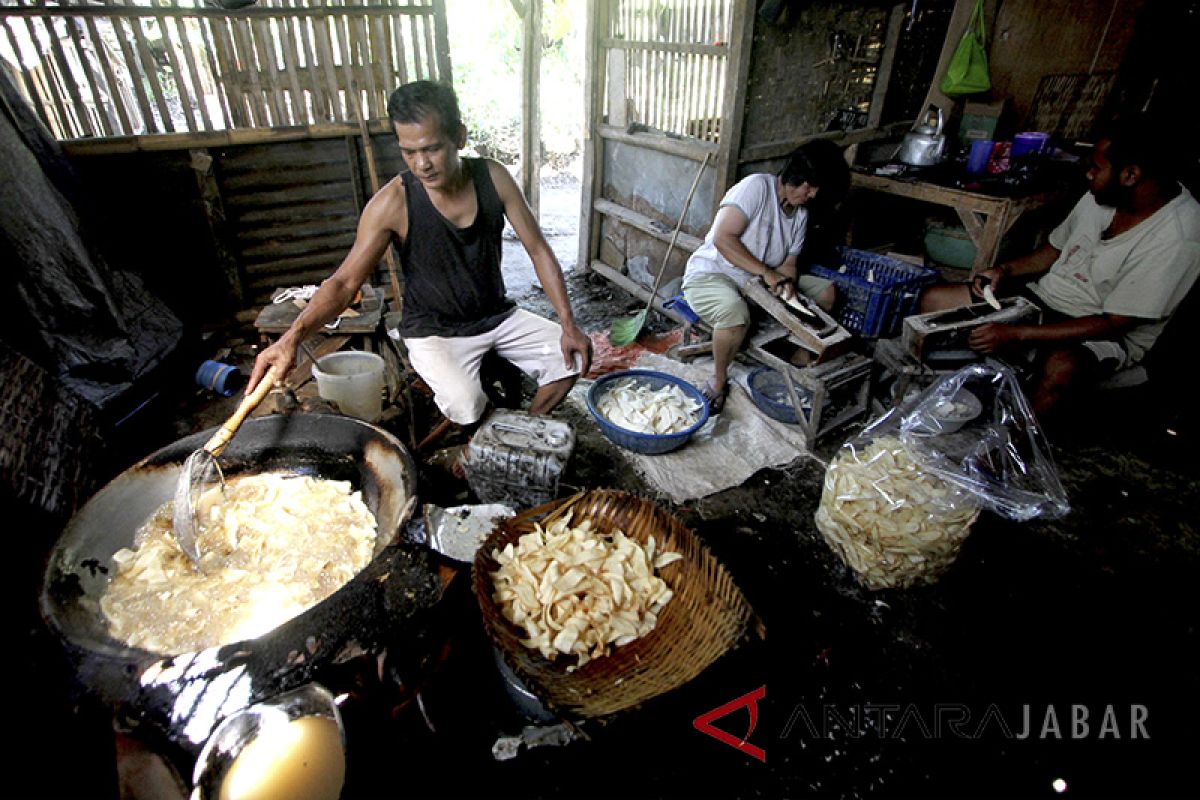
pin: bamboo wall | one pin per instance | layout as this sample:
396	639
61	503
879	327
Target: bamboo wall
123	68
668	59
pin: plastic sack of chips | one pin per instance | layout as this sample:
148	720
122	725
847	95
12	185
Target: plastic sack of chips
899	498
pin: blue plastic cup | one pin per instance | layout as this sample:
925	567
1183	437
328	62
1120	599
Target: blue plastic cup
224	379
977	158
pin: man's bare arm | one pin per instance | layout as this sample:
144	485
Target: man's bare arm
375	229
988	338
545	263
1035	263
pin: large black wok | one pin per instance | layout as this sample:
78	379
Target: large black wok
188	694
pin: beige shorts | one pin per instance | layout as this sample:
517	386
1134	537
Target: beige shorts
450	364
718	301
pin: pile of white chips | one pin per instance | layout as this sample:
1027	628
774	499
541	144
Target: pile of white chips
578	592
890	521
631	404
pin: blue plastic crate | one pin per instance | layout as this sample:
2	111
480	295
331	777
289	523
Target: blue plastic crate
877	292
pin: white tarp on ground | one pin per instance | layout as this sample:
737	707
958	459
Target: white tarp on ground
724	453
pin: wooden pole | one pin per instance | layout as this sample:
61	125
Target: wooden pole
531	117
593	145
733	101
442	34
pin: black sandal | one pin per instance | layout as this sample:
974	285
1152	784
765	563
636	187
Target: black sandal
716	400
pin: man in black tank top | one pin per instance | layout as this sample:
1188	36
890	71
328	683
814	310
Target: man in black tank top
447	214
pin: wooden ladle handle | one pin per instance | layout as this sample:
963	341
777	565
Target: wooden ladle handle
221	438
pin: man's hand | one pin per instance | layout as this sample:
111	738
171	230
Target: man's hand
994	276
280	355
994	336
574	340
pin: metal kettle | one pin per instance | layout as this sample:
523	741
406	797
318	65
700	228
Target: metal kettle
925	145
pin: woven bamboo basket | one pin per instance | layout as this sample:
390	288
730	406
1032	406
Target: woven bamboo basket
706	617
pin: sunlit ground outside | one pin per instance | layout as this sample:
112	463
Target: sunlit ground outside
485	51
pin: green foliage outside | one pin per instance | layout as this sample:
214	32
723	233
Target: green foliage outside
485	51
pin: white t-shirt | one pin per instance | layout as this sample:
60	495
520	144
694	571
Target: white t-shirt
1144	272
770	236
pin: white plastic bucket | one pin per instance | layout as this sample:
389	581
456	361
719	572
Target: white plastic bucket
352	380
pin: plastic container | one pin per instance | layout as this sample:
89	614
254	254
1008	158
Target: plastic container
1029	142
645	443
353	381
877	292
224	379
516	458
977	157
951	246
768	390
680	305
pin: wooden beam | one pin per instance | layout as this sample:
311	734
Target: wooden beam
693	149
771	150
593	146
667	47
883	74
637	290
733	103
645	224
531	115
155	12
441	34
210	139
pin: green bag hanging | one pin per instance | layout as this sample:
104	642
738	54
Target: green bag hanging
968	69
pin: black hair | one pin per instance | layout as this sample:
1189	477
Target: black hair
1136	141
818	163
414	102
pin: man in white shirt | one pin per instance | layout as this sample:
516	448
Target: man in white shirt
758	231
1110	276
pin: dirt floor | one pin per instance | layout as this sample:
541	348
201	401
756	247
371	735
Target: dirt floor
1051	651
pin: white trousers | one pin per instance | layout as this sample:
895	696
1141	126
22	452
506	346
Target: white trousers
450	364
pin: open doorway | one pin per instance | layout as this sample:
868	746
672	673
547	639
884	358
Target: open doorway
486	38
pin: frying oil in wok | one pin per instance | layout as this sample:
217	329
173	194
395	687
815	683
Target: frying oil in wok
272	546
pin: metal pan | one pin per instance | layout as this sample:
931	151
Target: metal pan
327	446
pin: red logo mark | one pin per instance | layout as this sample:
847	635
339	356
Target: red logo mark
703	723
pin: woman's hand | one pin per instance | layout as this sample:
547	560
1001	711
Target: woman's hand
781	285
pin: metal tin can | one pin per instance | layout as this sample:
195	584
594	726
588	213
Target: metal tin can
517	458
